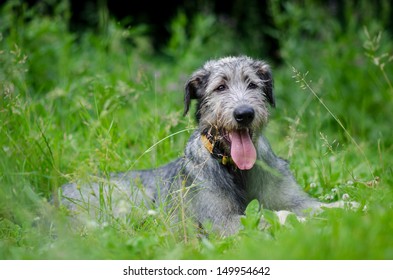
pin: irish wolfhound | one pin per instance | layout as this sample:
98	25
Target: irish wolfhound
226	164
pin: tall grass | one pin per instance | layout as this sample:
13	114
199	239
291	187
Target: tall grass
80	105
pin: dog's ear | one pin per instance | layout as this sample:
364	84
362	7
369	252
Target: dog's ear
265	74
195	87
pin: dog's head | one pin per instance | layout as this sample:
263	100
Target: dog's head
233	94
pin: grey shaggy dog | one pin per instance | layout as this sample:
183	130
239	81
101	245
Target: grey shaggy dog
226	163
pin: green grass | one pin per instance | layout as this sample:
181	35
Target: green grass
76	105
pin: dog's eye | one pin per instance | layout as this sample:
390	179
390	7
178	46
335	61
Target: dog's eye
221	88
252	86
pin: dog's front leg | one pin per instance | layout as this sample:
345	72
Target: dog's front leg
217	208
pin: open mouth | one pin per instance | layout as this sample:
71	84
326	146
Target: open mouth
243	151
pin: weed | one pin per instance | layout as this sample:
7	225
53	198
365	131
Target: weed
305	85
372	45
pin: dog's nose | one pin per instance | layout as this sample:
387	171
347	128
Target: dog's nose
244	114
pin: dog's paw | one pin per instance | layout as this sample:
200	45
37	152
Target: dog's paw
351	205
278	217
283	215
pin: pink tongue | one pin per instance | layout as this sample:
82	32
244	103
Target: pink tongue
242	149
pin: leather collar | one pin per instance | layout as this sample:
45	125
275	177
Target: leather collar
213	146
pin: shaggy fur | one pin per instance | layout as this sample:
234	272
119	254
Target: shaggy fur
226	163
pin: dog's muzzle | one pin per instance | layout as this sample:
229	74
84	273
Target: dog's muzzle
243	152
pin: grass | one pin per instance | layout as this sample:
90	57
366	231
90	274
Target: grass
76	105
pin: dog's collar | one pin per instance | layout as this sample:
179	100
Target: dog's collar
212	145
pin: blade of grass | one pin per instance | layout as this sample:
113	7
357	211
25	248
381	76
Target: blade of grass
305	85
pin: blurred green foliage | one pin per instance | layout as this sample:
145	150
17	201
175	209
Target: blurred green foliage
73	105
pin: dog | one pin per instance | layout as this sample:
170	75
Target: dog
227	161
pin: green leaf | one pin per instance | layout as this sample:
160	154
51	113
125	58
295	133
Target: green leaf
253	215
